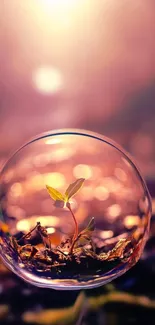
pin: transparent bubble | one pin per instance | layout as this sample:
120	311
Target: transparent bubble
75	211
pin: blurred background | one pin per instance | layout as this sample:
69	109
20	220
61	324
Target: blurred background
80	64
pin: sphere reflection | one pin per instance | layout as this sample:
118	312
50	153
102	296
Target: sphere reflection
75	211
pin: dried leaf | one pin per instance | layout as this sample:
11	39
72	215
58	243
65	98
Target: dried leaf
34	252
74	188
54	194
118	250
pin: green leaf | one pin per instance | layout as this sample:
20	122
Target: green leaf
91	225
74	188
54	194
85	235
82	240
89	229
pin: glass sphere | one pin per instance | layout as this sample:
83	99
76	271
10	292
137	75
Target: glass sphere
75	211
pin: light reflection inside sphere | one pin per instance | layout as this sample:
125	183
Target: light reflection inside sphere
112	209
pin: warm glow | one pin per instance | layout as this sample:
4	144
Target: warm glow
106	234
39	181
52	140
56	3
131	221
23	225
26	225
82	171
50	230
48	79
46	221
101	193
114	210
59	16
54	179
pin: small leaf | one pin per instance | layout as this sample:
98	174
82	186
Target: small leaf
54	194
89	229
82	240
91	225
85	235
33	252
74	188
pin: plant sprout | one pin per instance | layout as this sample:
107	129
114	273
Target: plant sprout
76	253
63	200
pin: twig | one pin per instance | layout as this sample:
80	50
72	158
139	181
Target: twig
29	233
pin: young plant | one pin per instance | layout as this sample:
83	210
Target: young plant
63	200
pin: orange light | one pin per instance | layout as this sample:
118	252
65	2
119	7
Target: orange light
26	225
131	221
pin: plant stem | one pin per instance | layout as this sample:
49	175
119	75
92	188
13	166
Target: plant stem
29	233
73	244
76	225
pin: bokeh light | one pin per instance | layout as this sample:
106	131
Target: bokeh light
48	80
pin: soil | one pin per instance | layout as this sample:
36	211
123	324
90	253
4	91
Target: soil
68	260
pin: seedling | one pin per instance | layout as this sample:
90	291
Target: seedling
63	200
73	254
